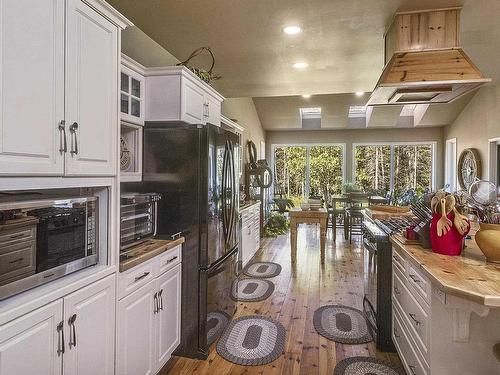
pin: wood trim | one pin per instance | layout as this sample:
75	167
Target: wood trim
110	13
428	10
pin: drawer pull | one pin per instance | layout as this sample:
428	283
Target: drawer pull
414	278
172	259
141	277
49	275
396	334
16	260
412	369
14	236
412	316
397	291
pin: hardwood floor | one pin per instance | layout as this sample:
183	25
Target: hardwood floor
300	290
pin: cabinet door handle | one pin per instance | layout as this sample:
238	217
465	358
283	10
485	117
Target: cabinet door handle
138	278
60	339
172	259
74	145
72	331
414	278
160	297
63	145
397	291
412	316
155	301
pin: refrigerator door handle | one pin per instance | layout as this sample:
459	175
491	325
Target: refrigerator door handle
224	195
233	189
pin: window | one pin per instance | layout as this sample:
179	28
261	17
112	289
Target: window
394	167
373	167
310	170
450	161
290	172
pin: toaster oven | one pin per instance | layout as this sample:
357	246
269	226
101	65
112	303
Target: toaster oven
138	216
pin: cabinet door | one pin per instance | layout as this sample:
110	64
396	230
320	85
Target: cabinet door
136	332
89	329
91	91
169	315
131	96
213	110
29	345
31	86
193	105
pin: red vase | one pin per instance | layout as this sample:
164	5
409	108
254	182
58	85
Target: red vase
450	243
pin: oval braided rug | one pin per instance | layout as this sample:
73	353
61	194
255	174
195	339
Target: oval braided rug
252	341
262	269
341	324
365	366
251	290
216	322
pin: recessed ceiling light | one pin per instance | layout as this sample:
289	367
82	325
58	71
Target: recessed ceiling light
360	93
300	65
292	30
306	96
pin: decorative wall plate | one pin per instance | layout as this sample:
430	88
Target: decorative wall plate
125	155
469	168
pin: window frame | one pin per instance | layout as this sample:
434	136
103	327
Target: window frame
308	157
392	145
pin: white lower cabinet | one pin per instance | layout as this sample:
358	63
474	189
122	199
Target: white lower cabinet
71	336
89	329
30	344
136	332
250	232
148	325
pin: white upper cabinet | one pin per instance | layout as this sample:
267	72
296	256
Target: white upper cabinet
33	343
132	91
91	91
176	94
59	62
31	87
90	329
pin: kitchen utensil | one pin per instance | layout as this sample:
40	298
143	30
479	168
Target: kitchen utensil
460	221
434	203
443	224
483	192
450	203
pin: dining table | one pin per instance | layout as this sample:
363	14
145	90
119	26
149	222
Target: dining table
298	216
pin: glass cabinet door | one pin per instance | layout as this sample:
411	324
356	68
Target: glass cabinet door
131	98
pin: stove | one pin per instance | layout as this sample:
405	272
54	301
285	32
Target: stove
377	302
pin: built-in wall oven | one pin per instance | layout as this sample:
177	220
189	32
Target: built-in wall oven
44	239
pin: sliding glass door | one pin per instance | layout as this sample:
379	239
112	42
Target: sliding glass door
306	171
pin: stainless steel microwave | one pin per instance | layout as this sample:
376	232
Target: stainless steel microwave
45	239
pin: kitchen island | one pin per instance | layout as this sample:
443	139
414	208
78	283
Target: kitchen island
446	311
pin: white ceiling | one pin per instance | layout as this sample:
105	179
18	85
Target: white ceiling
341	40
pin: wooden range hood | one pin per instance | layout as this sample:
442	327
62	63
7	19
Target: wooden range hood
426	63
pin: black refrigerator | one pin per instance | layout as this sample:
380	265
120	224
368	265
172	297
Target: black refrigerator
195	169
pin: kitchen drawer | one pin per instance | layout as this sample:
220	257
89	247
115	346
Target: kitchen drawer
170	258
17	259
13	236
398	289
398	261
136	277
419	283
411	361
416	318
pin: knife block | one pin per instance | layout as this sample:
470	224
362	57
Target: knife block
424	233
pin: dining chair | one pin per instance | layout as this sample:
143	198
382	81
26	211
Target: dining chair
355	204
337	215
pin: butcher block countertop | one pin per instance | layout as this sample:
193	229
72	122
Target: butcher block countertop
468	276
144	251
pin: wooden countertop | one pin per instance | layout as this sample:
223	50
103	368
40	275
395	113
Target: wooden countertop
148	249
468	276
